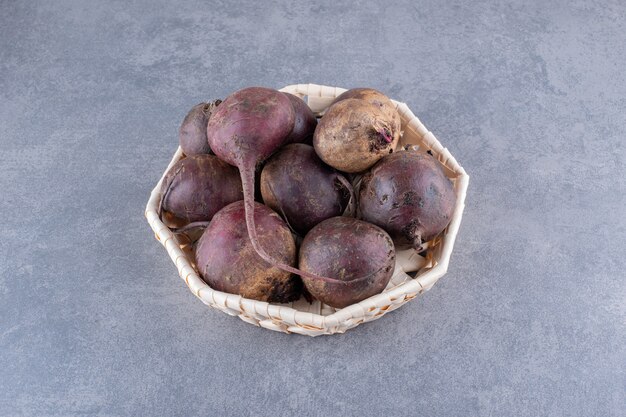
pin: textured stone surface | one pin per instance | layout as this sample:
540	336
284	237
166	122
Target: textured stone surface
530	320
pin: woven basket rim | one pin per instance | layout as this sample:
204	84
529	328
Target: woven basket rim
312	323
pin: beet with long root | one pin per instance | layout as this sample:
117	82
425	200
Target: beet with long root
249	126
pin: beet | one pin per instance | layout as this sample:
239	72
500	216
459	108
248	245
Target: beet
298	185
354	134
358	255
305	121
246	129
249	126
378	99
408	194
196	188
192	132
227	261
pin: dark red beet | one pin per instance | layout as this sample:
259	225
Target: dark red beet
192	132
407	194
360	256
305	122
298	185
249	126
196	188
227	261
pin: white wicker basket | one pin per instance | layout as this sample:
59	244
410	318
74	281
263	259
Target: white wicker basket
316	319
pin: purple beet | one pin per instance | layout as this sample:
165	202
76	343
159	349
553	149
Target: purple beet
358	255
298	185
408	194
227	261
196	188
192	132
305	121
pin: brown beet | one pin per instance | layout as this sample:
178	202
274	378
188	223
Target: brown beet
378	99
407	194
227	261
360	256
354	134
298	185
196	188
192	133
305	121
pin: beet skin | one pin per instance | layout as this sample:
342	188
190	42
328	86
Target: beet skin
196	188
249	126
227	261
407	194
192	133
378	99
354	134
298	185
305	121
358	255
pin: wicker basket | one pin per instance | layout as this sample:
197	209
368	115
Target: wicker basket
317	319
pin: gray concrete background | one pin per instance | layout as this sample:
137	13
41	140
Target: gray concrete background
529	321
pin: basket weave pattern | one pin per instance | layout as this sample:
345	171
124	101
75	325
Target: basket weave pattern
317	319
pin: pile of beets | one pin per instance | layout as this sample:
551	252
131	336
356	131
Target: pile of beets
307	231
